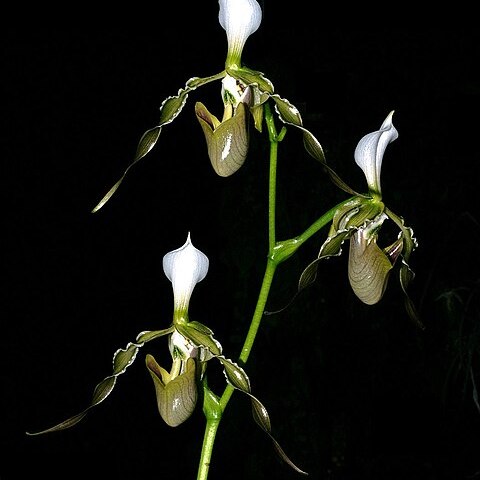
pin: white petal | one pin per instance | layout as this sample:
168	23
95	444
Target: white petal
239	18
370	150
185	267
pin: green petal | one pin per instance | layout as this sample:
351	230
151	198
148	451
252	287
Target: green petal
406	274
169	110
122	359
290	115
330	248
238	379
176	400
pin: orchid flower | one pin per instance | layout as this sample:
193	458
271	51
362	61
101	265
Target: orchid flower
243	91
227	140
359	220
177	391
191	345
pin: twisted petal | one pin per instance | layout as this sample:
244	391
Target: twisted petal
185	267
169	110
238	379
370	150
239	19
406	274
227	142
122	359
290	115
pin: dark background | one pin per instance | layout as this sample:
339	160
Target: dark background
353	391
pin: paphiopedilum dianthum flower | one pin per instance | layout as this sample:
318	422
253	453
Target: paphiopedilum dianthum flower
191	345
243	91
360	220
176	390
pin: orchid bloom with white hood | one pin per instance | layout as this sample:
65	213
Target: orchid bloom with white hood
243	91
359	220
228	139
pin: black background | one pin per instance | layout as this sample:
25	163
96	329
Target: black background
353	391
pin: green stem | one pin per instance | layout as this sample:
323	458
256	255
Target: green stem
214	414
254	325
272	192
274	139
213	423
321	222
207	448
259	310
284	249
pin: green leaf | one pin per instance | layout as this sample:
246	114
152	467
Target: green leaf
122	359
